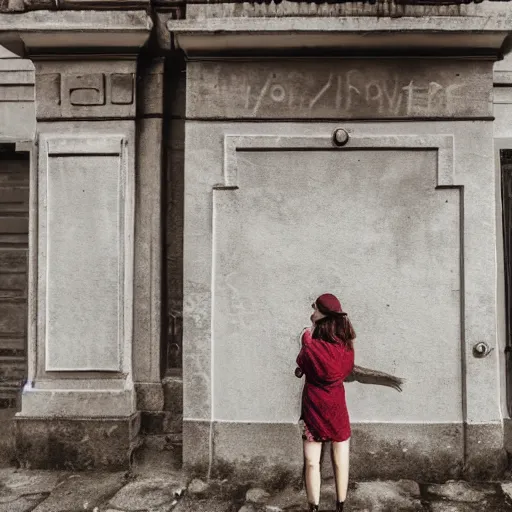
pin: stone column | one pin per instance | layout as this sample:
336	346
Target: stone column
79	406
148	241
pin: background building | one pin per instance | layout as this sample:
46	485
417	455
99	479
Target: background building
224	164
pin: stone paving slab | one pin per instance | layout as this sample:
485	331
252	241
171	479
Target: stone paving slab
462	491
401	496
160	490
155	494
208	505
83	491
21	491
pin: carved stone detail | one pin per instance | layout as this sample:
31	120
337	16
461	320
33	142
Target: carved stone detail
121	88
84	90
102	89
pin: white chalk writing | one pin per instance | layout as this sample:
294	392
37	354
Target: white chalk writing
353	91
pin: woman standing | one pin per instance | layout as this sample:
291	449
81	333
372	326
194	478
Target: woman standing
327	360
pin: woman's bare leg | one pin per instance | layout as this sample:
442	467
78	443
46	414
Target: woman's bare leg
340	465
312	452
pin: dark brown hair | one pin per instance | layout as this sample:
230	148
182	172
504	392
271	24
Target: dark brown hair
334	328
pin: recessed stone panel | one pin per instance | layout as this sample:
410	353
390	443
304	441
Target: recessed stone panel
367	224
338	88
122	88
85	90
82	185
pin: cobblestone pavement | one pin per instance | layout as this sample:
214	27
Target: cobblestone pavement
158	490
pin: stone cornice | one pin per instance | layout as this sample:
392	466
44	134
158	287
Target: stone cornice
71	31
30	5
463	35
13	6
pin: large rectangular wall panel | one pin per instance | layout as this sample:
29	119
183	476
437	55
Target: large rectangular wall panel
369	225
82	182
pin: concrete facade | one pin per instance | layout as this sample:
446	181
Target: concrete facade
222	199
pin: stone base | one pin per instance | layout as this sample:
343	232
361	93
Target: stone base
421	452
76	444
486	457
150	396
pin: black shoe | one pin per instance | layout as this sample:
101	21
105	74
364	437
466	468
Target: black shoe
339	506
313	508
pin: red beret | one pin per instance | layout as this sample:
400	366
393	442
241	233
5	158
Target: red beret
329	302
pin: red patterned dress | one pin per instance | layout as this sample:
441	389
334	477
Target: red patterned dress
324	410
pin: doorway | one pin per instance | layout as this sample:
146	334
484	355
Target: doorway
14	208
506	197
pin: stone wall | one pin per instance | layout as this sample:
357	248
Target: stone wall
397	223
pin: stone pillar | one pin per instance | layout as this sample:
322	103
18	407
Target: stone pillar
148	241
78	405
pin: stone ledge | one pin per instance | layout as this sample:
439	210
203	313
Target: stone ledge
72	403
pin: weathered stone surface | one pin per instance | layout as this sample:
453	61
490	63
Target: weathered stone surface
441	506
71	89
159	463
147	357
248	507
384	496
21	491
8	437
257	495
197	486
150	396
462	491
173	394
27	482
151	96
17	99
196	436
485	461
21	503
288	498
76	444
339	89
156	494
371	496
213	505
257	9
82	492
506	488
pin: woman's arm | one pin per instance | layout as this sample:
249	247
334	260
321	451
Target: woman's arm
298	371
369	376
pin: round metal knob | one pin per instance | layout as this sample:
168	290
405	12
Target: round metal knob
340	137
481	349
